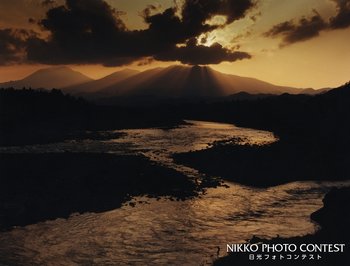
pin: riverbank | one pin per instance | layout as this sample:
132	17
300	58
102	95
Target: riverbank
273	164
38	187
313	135
39	117
334	219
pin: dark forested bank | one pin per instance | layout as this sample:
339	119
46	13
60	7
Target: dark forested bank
313	130
314	139
25	113
37	116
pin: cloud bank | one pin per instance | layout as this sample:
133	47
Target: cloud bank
310	27
92	32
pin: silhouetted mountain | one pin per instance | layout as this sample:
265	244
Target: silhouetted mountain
48	78
174	82
189	82
314	92
100	84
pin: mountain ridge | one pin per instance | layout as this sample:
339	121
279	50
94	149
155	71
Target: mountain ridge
196	81
174	81
95	85
48	78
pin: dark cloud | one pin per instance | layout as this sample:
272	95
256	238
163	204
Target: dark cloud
12	45
204	39
282	28
311	27
148	11
48	2
146	61
255	17
195	13
305	29
194	54
82	31
91	31
342	19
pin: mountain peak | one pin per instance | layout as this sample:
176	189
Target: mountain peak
197	67
55	68
178	81
96	85
48	78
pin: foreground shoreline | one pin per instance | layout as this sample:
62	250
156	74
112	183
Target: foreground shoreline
168	183
39	187
334	219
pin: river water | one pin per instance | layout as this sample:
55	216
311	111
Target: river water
162	231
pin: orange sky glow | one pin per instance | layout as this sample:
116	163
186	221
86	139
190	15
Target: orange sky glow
318	62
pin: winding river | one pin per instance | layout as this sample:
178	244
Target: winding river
162	231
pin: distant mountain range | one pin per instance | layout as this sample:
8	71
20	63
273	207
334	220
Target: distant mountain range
95	86
171	82
48	78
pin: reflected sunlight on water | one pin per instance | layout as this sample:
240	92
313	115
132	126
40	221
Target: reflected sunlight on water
166	232
161	232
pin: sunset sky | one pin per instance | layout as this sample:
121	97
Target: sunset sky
300	43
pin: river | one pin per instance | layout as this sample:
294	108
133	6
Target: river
164	231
